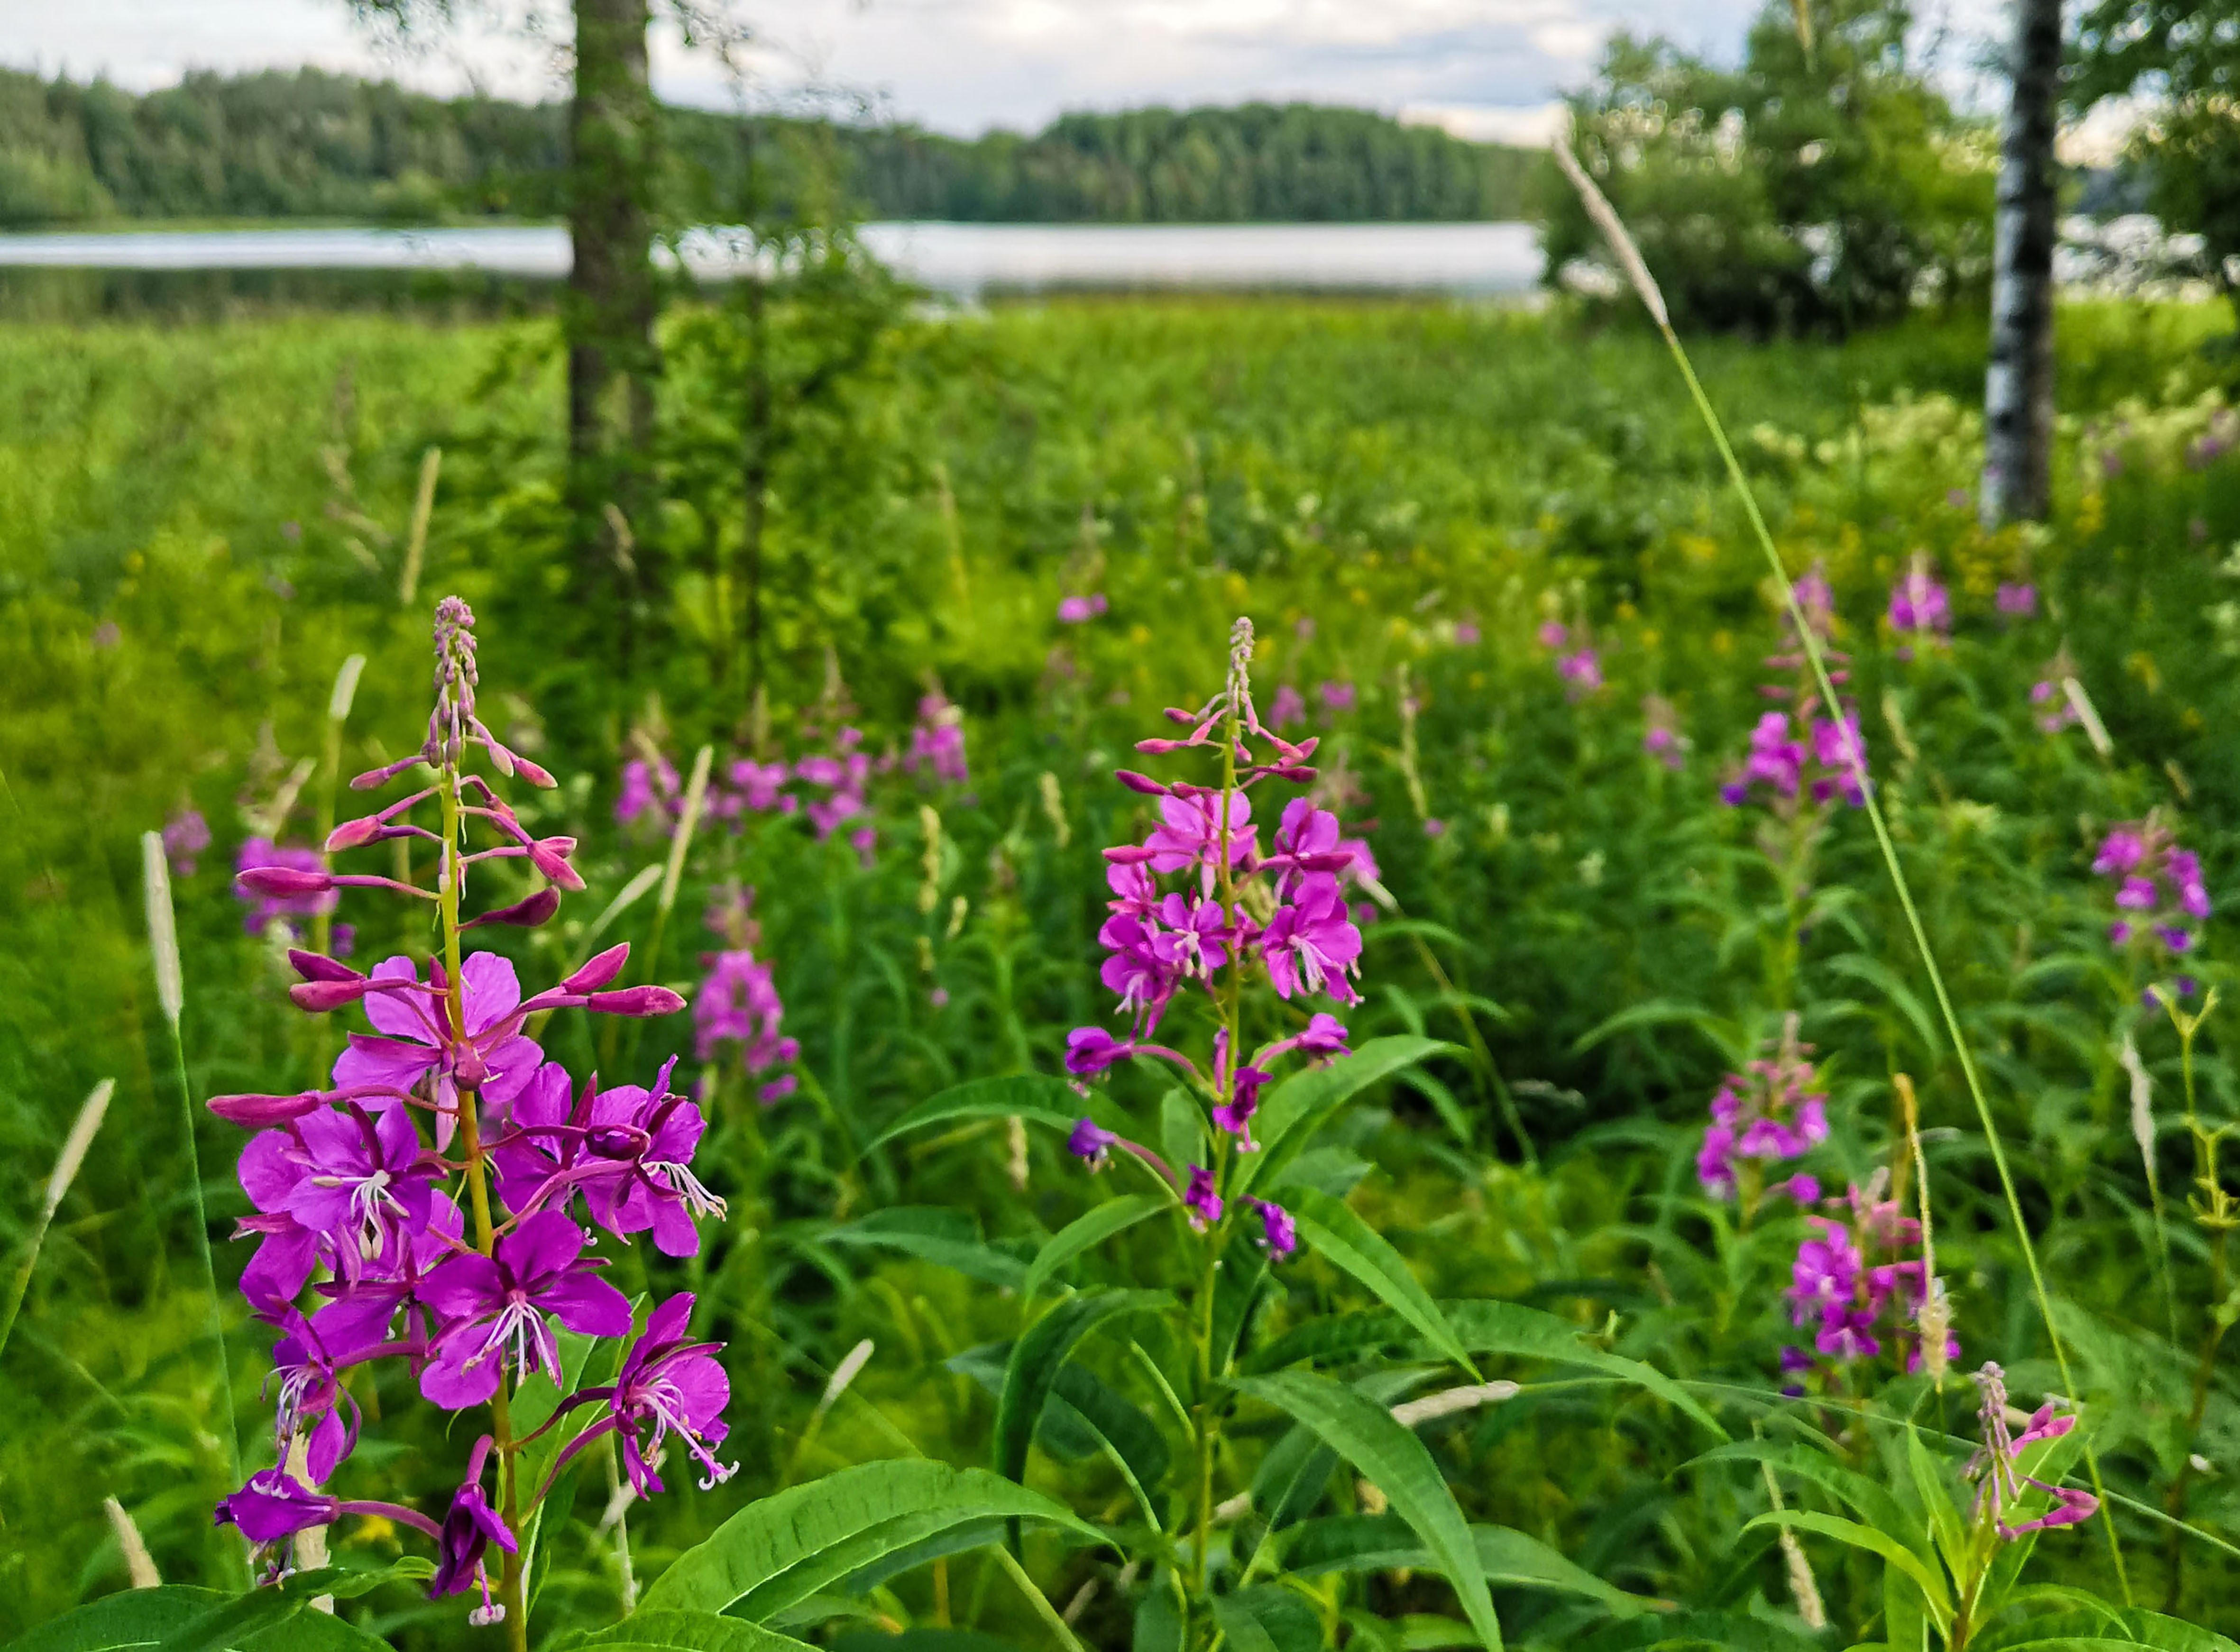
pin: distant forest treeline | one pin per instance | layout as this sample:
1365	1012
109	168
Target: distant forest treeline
313	145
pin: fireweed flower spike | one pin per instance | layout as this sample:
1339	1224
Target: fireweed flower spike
1767	1114
428	1261
1200	910
2005	1485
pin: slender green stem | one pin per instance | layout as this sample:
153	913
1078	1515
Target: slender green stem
511	1593
1036	1598
202	1255
1810	642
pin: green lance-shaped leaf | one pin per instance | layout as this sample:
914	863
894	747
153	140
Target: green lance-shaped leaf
1924	1572
1870	1500
2107	1628
1399	1465
694	1631
1291	1112
1343	1240
1086	1232
937	1234
1483	1327
784	1548
1036	1097
1268	1619
1036	1357
1509	1557
137	1617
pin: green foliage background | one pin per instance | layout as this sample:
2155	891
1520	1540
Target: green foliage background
229	498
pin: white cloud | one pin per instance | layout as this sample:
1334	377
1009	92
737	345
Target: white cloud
1529	127
958	65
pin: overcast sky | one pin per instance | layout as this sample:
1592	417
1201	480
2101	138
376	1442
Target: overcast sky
1488	68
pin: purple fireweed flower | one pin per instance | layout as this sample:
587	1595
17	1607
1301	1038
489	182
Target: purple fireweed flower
1996	1464
1467	634
937	747
648	789
1582	669
1077	610
2158	883
1190	833
1336	696
1324	1036
1767	1113
1660	736
494	1310
185	835
352	1184
1239	1093
1312	945
491	1058
265	909
1289	708
1279	1236
1553	633
669	1384
738	1005
1919	608
627	1150
1090	1142
1090	1050
1854	1300
1203	1203
470	1526
274	1506
2017	601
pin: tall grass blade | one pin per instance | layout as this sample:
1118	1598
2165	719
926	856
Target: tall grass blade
170	990
67	1164
1630	258
415	544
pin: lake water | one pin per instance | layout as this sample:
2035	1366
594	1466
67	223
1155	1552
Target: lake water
965	260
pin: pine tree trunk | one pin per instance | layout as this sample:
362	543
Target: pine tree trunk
611	301
2018	387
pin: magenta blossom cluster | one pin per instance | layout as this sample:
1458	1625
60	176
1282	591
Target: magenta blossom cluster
830	789
1661	736
1853	1282
1799	755
1920	609
443	1204
2056	711
2159	890
2003	1485
186	835
1079	611
1769	1113
1199	906
1580	667
1818	762
2015	599
736	1011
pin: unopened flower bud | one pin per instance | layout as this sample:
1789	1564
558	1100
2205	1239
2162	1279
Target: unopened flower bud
260	1112
1143	783
598	971
316	966
283	880
352	833
529	772
1160	748
316	997
525	914
550	855
637	1000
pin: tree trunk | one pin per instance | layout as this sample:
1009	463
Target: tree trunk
609	313
2018	387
